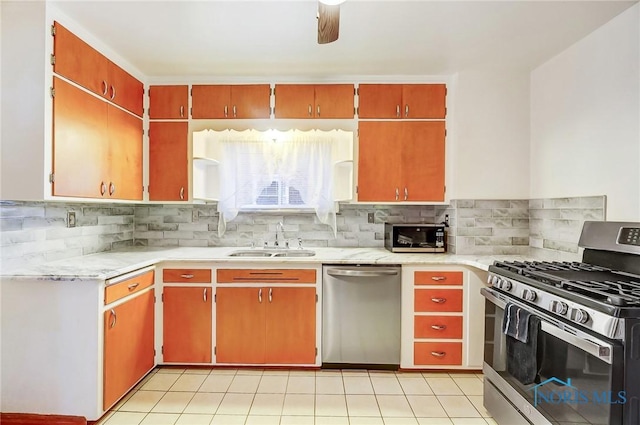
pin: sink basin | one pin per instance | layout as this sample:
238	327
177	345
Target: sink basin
272	253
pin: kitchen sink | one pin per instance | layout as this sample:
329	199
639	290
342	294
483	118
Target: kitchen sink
272	253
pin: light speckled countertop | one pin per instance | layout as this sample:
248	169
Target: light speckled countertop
110	264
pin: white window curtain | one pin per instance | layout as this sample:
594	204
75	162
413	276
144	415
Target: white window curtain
263	170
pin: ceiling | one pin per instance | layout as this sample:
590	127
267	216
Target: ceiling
200	39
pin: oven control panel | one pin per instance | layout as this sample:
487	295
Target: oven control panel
629	236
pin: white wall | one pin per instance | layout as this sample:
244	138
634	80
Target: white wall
490	155
585	119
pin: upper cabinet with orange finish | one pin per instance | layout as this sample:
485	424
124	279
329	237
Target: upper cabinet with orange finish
77	61
402	101
314	101
231	101
169	102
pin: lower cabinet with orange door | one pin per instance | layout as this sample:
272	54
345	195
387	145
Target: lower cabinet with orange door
266	316
442	318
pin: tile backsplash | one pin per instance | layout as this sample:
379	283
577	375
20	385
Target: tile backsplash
34	232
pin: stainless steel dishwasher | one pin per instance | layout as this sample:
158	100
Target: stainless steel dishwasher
361	315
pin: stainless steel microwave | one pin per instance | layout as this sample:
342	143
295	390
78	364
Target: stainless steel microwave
415	237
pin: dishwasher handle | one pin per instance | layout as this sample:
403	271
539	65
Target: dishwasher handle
363	273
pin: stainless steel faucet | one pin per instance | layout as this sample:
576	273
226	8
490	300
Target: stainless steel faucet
281	227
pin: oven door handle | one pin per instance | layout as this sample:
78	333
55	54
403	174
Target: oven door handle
599	349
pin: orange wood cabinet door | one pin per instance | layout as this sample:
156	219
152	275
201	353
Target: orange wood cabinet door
251	101
186	275
295	101
187	324
438	278
426	101
125	154
266	275
127	287
449	300
124	89
445	327
379	172
380	101
168	102
210	101
79	62
290	325
240	325
168	161
80	143
423	160
437	353
128	346
334	101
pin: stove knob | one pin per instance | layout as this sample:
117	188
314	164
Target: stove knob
580	316
529	295
558	307
505	285
495	280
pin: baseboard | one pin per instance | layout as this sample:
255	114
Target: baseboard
31	419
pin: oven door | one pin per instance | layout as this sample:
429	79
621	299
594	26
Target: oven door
577	380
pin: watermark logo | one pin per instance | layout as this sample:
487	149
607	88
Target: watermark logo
562	392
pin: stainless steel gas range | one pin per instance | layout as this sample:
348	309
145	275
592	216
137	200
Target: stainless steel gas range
572	353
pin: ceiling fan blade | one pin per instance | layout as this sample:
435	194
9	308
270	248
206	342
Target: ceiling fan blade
328	22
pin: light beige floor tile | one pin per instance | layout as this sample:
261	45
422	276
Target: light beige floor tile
328	372
262	420
444	386
123	400
414	386
362	405
298	405
216	383
252	372
394	406
476	400
435	374
273	384
160	419
301	384
491	421
384	385
463	375
382	373
358	384
175	370
355	372
223	371
228	420
434	421
244	384
468	421
329	384
160	382
173	402
302	372
198	370
297	420
480	375
332	420
363	420
426	406
125	418
235	404
142	401
331	405
144	380
194	419
188	382
469	386
458	407
275	372
204	403
104	418
399	421
267	404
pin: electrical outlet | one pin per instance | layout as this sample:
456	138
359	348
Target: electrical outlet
371	218
71	219
446	219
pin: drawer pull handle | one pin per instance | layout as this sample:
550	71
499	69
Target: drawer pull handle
260	295
439	327
438	278
270	294
439	300
113	322
438	353
186	276
133	286
204	295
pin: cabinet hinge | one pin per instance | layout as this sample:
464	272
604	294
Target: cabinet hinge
52	59
445	132
316	297
273	111
162	297
191	111
273	91
446	90
191	91
356	91
154	352
215	350
162	349
215	298
445	189
53	30
355	111
316	351
356	189
445	114
52	177
52	92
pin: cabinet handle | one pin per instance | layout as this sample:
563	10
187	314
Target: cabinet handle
133	286
439	300
397	194
438	327
113	322
103	188
182	193
438	353
270	294
226	111
181	111
310	110
113	93
438	278
204	295
186	276
318	111
406	193
105	88
234	111
260	295
112	188
406	110
397	111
